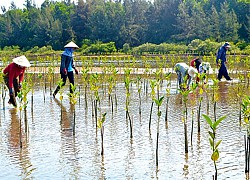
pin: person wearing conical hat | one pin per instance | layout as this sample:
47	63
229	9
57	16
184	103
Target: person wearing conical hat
185	74
14	75
67	67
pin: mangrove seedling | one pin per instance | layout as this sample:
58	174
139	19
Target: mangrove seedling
215	95
101	127
73	100
212	139
23	100
152	85
246	114
167	77
158	102
127	82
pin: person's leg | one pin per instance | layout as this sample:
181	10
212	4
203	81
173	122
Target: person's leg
220	73
225	73
64	78
71	80
16	87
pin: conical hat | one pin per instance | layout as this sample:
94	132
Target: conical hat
22	61
192	71
71	45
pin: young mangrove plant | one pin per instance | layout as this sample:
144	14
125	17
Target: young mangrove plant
212	139
94	86
3	87
31	83
246	114
152	85
158	102
60	83
184	93
127	82
139	87
23	101
201	85
85	71
40	76
101	127
167	77
73	100
215	95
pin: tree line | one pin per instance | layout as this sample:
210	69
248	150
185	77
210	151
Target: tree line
128	22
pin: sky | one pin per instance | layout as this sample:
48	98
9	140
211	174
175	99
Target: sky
19	3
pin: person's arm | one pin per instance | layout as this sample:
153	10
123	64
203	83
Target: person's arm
73	66
218	56
11	77
189	81
63	64
21	76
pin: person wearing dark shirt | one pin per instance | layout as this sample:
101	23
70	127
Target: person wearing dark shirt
221	61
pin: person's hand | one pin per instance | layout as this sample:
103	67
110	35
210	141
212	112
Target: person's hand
65	71
76	71
218	65
11	91
19	86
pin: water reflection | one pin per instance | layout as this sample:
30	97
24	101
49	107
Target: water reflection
69	144
19	155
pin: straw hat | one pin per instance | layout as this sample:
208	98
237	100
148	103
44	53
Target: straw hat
22	61
71	45
192	71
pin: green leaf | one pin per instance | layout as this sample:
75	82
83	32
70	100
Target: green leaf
208	119
217	144
215	156
211	142
218	122
211	134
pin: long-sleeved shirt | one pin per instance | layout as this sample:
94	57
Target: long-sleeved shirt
13	71
182	70
221	55
66	62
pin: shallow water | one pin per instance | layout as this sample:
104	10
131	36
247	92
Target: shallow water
51	151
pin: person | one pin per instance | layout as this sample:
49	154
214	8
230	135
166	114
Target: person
204	69
195	63
14	75
221	61
185	74
67	66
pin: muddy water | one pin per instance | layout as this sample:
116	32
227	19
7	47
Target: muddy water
51	151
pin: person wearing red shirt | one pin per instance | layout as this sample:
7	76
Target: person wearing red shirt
14	75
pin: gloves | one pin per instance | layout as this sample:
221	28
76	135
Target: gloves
64	71
76	71
11	91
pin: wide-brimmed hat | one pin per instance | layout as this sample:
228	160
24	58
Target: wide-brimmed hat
227	44
192	71
22	61
71	45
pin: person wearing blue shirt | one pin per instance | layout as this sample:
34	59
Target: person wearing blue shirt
67	66
221	61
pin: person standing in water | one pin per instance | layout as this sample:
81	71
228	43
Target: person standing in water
67	66
221	61
13	76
